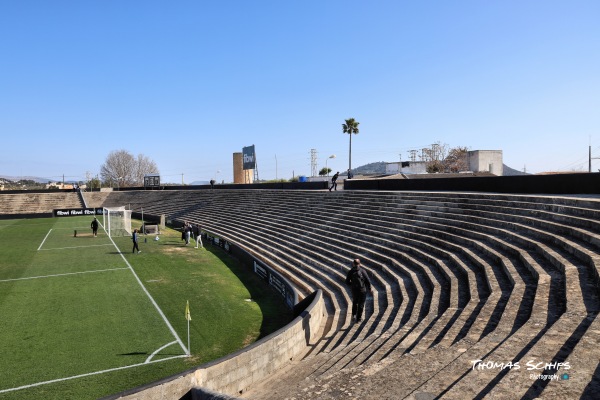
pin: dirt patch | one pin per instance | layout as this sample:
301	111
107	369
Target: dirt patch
249	340
173	250
193	360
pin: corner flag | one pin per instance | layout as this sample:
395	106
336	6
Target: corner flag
188	317
187	311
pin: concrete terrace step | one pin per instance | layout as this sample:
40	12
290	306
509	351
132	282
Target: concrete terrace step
33	203
459	277
298	255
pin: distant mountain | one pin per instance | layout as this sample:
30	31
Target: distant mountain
28	178
374	168
508	171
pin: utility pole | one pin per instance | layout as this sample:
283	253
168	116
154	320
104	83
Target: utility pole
590	159
313	162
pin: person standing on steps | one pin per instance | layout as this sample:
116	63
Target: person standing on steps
334	181
134	237
94	227
360	284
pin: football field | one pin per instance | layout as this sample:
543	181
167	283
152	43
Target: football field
83	316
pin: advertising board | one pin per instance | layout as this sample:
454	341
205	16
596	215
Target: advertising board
249	157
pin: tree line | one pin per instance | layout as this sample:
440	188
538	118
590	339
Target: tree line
123	169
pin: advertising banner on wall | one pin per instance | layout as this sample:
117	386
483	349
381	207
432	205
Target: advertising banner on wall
75	212
249	157
277	282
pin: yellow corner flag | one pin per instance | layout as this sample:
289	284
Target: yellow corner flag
187	311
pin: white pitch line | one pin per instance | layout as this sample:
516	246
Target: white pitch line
77	247
185	350
156	352
74	227
45	239
65	274
20	226
88	374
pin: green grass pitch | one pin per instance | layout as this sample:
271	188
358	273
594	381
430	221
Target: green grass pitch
83	317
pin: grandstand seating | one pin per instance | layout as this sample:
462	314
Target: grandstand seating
457	277
37	203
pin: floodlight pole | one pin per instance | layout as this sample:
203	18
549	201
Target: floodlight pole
326	167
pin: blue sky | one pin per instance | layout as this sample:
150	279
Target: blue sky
188	83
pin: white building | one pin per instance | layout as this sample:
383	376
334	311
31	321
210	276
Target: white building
477	161
485	161
406	167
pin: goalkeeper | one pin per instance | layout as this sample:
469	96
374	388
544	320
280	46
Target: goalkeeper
94	227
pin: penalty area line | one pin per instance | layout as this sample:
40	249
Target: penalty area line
45	239
65	274
88	374
154	303
76	247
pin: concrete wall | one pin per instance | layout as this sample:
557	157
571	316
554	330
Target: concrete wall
392	168
410	167
486	161
237	372
577	183
271	185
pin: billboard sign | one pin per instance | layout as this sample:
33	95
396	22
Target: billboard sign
277	282
249	157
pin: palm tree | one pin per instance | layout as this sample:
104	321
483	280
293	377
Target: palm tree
350	127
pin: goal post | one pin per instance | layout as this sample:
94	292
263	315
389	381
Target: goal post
116	221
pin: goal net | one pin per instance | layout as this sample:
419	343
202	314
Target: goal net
116	221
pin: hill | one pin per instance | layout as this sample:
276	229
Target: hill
36	179
374	168
508	171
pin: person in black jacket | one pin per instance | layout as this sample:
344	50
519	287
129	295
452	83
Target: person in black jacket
360	284
94	227
334	181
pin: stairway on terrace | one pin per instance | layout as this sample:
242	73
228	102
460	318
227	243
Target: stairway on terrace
38	203
457	277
